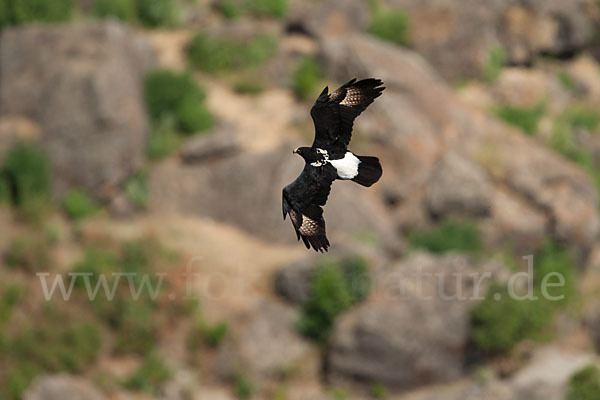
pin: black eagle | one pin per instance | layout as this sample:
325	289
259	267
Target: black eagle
328	159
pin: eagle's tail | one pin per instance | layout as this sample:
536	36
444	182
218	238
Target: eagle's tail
369	171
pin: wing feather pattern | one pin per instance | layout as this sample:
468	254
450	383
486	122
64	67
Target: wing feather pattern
334	114
303	200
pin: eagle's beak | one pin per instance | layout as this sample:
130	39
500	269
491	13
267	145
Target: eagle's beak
297	150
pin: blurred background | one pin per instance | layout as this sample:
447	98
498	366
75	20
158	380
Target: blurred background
154	137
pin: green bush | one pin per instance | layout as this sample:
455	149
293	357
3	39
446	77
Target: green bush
248	85
564	142
500	322
243	388
28	253
450	235
390	25
28	170
212	54
137	325
163	139
306	78
137	191
581	117
585	384
59	347
526	119
230	9
124	10
495	62
176	97
566	81
268	8
209	334
79	205
96	261
24	11
9	298
336	286
150	376
156	13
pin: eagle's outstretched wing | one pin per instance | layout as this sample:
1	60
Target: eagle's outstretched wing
334	114
302	200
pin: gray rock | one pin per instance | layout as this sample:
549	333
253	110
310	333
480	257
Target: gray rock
218	144
456	37
265	346
413	330
245	190
59	387
419	121
82	85
458	187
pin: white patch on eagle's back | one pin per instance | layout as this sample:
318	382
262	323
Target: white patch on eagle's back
321	162
347	167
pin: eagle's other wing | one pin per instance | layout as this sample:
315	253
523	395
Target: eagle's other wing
334	114
302	200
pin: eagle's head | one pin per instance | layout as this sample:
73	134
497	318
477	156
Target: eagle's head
304	152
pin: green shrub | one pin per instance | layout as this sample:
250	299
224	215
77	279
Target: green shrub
176	97
138	323
209	334
495	62
552	258
378	391
306	78
243	388
150	376
585	384
564	142
212	54
124	10
163	139
390	25
245	85
329	298
96	261
566	81
268	8
156	13
9	298
58	347
137	191
526	119
580	117
193	116
356	277
28	169
28	253
450	235
500	322
230	9
79	205
24	11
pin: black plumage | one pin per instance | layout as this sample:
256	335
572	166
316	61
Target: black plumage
328	159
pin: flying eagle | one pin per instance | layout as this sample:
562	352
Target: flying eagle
328	159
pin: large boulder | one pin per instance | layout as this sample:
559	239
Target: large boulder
420	121
387	340
245	190
81	84
443	31
265	346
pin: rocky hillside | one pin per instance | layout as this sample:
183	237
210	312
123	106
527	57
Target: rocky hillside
143	148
